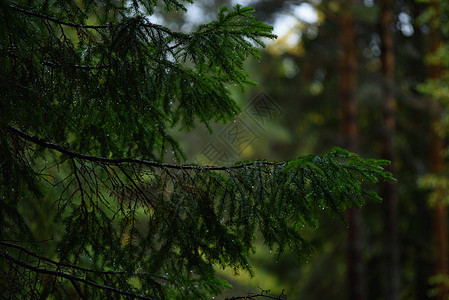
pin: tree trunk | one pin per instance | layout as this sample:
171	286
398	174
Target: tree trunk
437	164
349	115
389	193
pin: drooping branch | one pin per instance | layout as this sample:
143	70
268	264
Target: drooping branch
117	161
70	277
76	267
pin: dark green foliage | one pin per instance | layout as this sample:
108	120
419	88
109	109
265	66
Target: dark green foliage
86	84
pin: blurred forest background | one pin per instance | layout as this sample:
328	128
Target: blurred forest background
370	76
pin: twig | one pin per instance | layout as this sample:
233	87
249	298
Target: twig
84	26
86	67
261	294
77	288
48	18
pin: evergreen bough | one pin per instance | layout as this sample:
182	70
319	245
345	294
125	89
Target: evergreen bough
88	93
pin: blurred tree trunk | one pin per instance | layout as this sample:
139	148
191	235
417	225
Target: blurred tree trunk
349	127
389	193
437	162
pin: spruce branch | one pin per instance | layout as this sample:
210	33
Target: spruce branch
280	198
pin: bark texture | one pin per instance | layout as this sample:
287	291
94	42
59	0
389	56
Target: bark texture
389	192
349	128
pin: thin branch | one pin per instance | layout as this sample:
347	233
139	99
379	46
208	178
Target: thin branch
70	277
261	294
255	296
84	26
104	160
51	19
77	288
63	265
80	186
85	67
28	242
42	258
140	190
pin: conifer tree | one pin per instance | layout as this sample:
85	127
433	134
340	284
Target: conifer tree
89	92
